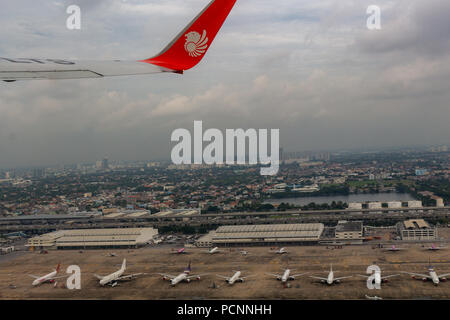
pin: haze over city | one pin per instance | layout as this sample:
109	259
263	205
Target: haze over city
311	69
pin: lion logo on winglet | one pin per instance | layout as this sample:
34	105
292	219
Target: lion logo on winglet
195	44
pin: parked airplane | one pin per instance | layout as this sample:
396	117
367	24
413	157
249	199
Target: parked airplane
174	280
394	249
51	277
111	254
180	251
330	279
113	278
286	276
213	250
373	298
435	248
184	52
281	251
234	278
244	252
432	275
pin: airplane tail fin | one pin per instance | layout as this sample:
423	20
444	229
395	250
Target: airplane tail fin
124	264
188	269
190	45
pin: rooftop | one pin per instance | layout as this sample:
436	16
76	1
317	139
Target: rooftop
349	226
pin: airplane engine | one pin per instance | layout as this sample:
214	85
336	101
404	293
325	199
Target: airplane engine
241	280
443	279
384	281
424	279
165	278
198	278
337	281
278	278
291	278
188	280
323	281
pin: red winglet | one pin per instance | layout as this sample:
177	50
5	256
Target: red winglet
189	47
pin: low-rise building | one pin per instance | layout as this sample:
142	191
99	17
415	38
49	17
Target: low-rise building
394	204
414	204
355	205
268	234
416	230
94	238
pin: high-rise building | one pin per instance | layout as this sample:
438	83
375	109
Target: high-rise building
105	163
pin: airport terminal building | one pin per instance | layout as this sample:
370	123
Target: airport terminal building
266	234
94	238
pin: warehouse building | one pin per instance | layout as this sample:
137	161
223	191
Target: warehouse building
416	230
94	238
268	234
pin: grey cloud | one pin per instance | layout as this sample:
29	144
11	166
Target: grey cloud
307	68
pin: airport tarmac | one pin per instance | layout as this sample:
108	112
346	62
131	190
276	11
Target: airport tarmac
350	260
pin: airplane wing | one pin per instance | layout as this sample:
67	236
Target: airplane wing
98	277
418	275
167	275
298	275
390	276
33	276
197	275
318	278
274	275
444	275
129	277
53	278
223	277
249	276
340	278
184	52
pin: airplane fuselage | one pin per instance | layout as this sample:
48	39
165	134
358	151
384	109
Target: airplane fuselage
285	276
234	278
330	278
45	278
112	277
214	250
434	277
181	277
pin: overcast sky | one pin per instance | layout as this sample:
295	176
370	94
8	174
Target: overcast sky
310	68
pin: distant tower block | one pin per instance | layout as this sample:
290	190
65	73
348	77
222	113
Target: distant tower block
105	163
